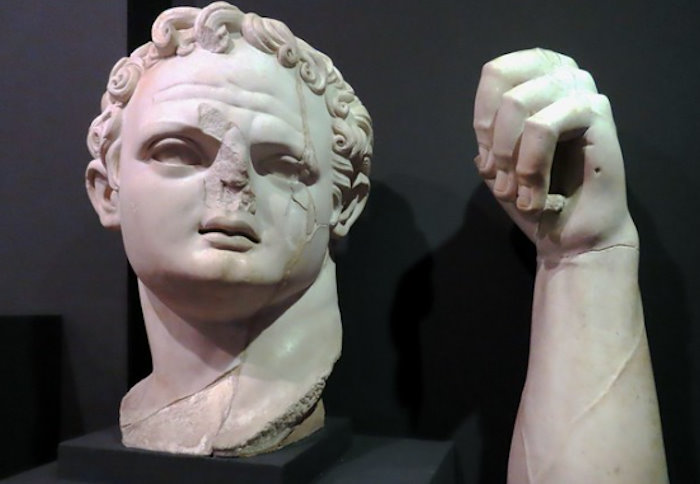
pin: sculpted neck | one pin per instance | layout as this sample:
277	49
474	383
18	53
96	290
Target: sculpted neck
285	343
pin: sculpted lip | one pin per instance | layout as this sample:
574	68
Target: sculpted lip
231	234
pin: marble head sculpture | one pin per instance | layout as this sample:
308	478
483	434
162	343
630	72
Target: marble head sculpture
230	154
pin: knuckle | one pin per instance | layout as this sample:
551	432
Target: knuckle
504	196
586	80
555	58
492	68
540	129
545	53
487	173
530	171
601	105
502	154
481	126
512	102
568	61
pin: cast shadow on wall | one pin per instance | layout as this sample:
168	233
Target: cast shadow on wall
457	339
377	380
669	329
436	343
456	345
475	340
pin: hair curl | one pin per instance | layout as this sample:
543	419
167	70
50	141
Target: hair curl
178	31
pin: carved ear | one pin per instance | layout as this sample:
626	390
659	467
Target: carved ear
345	212
104	198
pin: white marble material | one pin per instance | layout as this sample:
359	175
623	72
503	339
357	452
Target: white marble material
588	411
230	154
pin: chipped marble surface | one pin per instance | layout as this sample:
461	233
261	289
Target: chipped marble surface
549	152
230	154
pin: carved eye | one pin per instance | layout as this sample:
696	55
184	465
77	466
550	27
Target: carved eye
281	161
284	166
178	152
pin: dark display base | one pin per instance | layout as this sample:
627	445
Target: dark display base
100	457
369	460
30	371
385	460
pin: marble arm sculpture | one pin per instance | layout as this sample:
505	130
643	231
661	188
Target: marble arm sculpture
588	411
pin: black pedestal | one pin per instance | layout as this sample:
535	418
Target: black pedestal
384	460
30	371
100	457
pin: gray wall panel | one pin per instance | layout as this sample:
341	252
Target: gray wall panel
54	256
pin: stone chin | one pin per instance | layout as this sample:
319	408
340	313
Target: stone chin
270	396
229	152
228	296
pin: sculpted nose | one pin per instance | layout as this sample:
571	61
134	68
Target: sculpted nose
227	182
231	163
230	169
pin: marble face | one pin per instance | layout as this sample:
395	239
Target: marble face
225	183
228	153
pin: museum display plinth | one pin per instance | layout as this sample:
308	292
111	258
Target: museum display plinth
30	369
100	457
393	461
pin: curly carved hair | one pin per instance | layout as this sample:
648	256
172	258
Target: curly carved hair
178	31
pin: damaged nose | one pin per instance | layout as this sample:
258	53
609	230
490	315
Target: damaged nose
227	183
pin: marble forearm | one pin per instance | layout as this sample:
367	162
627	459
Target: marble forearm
588	411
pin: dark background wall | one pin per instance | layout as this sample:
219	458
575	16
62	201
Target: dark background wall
435	283
54	256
